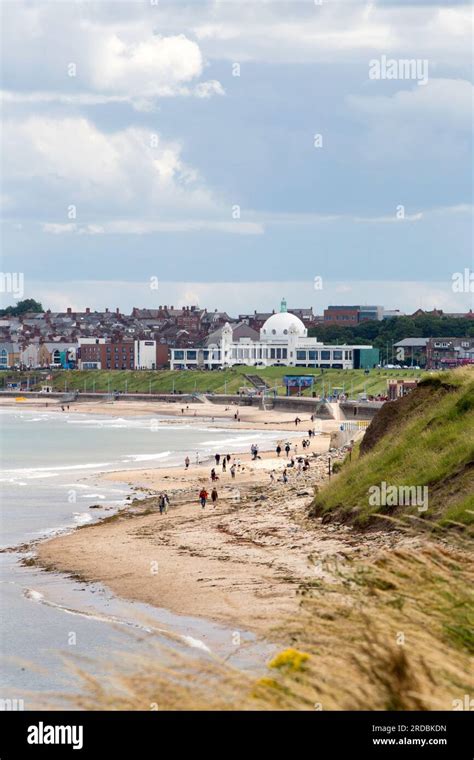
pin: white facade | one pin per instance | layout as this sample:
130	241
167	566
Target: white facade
145	354
283	341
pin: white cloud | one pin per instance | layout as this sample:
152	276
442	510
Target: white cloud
76	163
143	227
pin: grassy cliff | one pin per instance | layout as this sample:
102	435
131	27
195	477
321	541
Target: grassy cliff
424	440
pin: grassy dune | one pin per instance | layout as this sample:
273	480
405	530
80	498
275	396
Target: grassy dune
425	439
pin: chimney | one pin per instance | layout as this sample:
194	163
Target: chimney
117	311
69	310
106	310
88	311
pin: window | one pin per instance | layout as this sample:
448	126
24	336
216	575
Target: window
301	356
325	355
3	357
284	353
337	354
178	355
312	355
191	354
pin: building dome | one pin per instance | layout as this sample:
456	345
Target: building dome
281	325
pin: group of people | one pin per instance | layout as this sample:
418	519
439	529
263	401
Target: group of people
203	497
163	502
287	449
254	452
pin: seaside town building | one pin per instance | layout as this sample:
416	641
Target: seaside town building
283	340
436	353
352	315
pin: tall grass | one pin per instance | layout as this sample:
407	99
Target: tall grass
433	447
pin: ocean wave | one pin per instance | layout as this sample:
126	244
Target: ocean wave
39	472
82	517
146	457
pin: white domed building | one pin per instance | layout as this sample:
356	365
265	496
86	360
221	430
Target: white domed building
283	341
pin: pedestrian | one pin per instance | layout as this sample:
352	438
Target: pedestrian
186	463
285	476
232	471
278	450
203	497
167	501
213	475
217	458
224	464
214	496
287	448
162	503
228	457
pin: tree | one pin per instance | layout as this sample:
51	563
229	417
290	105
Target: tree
28	304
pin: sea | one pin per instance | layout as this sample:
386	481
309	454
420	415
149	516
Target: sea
50	476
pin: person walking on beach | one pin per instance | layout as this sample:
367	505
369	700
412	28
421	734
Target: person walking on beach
278	450
284	477
217	458
162	503
214	496
228	457
224	464
203	497
214	476
232	470
186	463
287	448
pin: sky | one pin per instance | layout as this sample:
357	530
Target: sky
228	154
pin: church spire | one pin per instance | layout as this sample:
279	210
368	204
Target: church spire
283	308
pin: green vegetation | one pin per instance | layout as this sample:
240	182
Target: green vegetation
352	382
29	304
382	334
424	439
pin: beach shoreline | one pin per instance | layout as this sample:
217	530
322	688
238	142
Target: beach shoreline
238	563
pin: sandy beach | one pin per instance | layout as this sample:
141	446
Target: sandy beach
239	562
250	417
